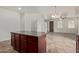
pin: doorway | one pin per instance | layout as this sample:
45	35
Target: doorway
51	26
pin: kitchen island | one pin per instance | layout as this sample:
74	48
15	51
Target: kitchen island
28	42
77	43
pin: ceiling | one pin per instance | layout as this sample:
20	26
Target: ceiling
32	9
44	9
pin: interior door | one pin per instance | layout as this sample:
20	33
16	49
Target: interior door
51	26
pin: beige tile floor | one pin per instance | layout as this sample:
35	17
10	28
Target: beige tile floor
55	42
61	43
5	47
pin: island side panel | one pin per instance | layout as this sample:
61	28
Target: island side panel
77	44
42	44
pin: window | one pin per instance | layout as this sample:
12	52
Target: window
71	24
59	24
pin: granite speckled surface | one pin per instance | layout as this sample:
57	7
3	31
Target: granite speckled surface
32	33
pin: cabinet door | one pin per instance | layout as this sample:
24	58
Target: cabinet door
17	42
32	44
77	44
12	39
23	43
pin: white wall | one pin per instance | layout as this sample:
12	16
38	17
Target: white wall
65	28
9	22
78	26
30	22
40	25
34	22
22	21
69	12
35	16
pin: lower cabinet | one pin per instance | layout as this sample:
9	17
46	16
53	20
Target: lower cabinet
77	44
23	44
28	44
32	44
17	42
12	39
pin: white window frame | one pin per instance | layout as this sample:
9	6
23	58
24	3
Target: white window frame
60	24
71	24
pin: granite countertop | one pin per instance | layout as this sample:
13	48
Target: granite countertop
32	33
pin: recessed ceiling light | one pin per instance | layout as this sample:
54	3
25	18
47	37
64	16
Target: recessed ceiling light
19	8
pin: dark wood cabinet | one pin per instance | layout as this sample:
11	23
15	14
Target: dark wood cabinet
12	39
32	44
27	43
42	44
23	44
17	42
77	44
